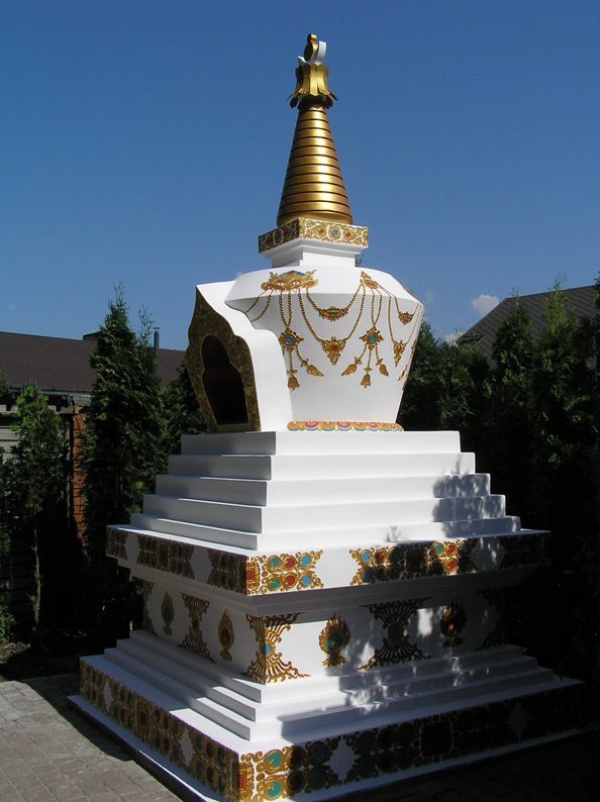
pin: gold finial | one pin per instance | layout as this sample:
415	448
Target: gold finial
314	186
311	75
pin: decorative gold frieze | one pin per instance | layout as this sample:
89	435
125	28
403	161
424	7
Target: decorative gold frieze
342	426
116	543
169	556
208	761
227	571
322	230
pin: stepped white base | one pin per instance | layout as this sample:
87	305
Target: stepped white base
225	737
324	612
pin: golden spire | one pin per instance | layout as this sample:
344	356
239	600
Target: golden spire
314	186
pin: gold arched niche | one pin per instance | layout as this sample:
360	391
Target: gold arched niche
221	371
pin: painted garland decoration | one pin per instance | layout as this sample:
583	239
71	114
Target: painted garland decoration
370	300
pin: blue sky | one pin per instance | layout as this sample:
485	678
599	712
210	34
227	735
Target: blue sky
145	142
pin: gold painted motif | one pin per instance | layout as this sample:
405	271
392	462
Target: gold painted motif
226	636
452	622
396	647
290	281
146	619
452	555
227	571
378	564
193	640
282	773
116	542
165	555
333	639
167	611
412	560
282	572
268	664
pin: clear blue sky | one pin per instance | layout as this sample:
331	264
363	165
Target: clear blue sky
144	142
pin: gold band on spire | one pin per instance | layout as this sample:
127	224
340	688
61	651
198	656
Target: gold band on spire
314	186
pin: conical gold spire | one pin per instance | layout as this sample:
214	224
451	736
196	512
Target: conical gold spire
314	186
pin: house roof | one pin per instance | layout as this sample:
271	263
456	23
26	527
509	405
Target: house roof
62	366
580	301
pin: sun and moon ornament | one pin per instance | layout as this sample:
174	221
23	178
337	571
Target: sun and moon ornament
292	291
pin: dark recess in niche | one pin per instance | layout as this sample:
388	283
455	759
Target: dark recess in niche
222	384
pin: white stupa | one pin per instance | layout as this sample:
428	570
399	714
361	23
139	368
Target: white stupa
325	594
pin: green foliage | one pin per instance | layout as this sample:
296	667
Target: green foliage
532	420
420	404
448	388
6	619
182	412
124	447
510	436
33	482
565	431
124	435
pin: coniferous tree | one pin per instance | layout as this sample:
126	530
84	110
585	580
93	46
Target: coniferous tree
182	411
420	408
510	430
564	403
33	485
123	449
465	396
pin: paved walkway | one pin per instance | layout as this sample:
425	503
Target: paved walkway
48	753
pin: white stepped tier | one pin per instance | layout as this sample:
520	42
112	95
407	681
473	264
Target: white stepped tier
288	518
305	443
276	492
361	535
322	466
305	710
